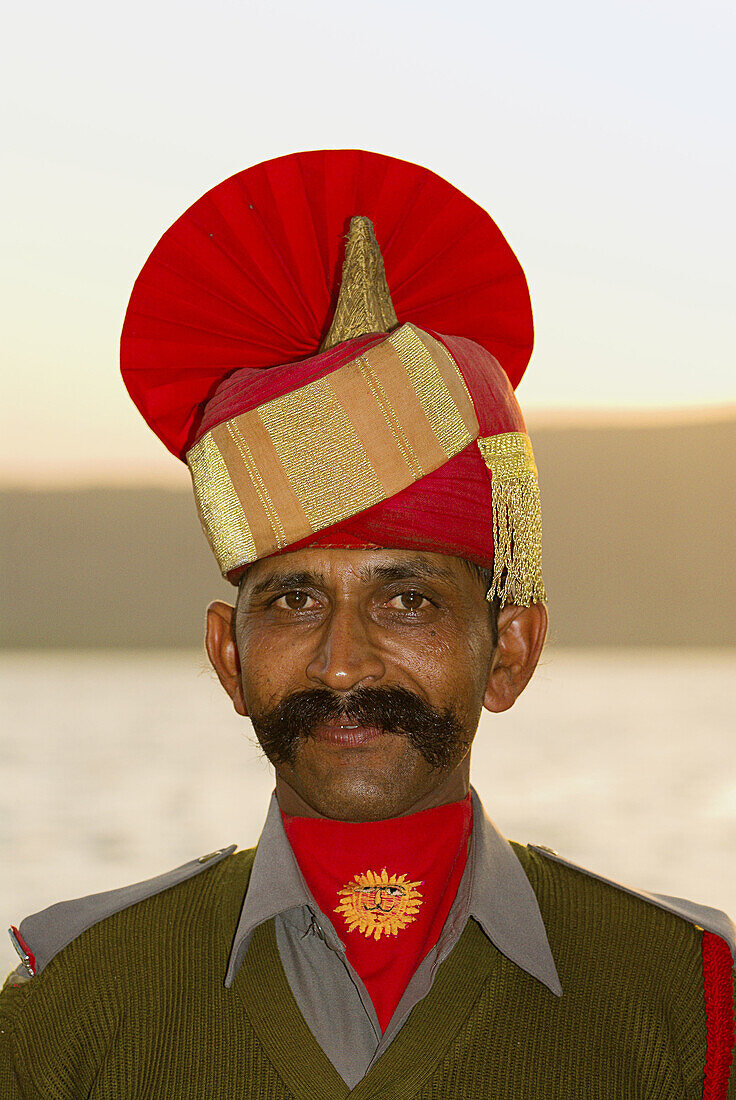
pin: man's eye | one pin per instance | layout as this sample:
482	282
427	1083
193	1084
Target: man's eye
295	601
409	601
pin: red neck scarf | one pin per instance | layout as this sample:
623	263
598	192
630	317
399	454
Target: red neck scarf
387	886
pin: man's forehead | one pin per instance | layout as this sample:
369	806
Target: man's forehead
326	565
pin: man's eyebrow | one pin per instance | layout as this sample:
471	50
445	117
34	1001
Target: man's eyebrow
278	582
387	571
406	570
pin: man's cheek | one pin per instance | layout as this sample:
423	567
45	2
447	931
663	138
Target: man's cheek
264	678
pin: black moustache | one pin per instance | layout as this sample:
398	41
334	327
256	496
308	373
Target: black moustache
435	733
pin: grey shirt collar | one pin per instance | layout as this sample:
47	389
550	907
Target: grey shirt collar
501	898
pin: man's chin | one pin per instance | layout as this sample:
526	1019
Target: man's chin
354	806
350	786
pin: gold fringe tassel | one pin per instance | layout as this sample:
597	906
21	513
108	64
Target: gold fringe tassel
517	519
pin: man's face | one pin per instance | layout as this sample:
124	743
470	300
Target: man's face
364	673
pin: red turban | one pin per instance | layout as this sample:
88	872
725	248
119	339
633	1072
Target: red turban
397	437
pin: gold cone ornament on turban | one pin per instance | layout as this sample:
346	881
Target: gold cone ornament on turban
353	425
364	304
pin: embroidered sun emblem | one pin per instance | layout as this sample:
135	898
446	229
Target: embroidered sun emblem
377	903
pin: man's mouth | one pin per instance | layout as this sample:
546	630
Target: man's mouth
344	732
322	716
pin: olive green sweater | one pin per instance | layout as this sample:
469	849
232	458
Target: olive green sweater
136	1007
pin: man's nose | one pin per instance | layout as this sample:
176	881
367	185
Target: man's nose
345	656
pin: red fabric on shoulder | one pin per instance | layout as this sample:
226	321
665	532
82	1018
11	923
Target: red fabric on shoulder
719	1014
387	886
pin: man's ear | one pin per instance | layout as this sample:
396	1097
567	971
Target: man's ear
222	651
521	634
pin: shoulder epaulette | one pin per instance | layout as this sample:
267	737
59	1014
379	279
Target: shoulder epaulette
42	936
710	920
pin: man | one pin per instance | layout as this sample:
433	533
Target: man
363	474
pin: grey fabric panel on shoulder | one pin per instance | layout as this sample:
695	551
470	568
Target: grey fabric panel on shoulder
710	920
49	931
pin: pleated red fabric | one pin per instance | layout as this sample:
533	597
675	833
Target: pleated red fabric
248	277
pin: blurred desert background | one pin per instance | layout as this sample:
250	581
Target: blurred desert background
119	755
639	545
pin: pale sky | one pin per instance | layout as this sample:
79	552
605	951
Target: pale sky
599	137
